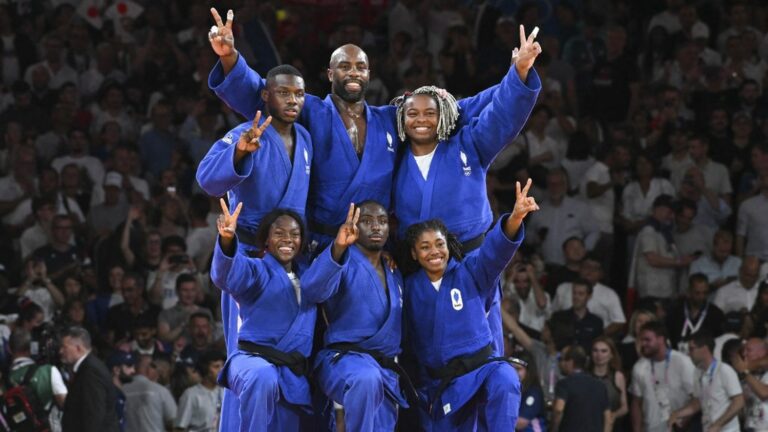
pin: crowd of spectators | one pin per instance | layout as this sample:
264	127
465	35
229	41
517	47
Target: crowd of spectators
648	148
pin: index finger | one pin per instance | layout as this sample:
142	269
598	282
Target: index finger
237	210
517	190
217	17
256	119
522	33
265	125
350	212
224	207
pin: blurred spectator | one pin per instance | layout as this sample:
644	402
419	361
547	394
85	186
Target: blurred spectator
694	314
721	267
59	255
574	253
740	294
751	231
662	380
78	154
148	405
605	365
532	415
755	383
200	404
560	218
581	401
523	287
163	283
104	218
134	308
586	325
122	366
174	320
638	196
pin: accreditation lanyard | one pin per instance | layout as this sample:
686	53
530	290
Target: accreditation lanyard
666	369
689	328
706	392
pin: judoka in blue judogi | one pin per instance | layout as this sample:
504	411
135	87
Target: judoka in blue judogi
267	370
264	165
445	310
362	300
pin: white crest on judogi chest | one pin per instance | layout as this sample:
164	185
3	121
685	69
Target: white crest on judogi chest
456	300
463	157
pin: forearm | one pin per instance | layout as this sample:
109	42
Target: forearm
557	418
739	245
737	403
56	295
595	189
613	329
517	332
691	408
636	413
125	244
656	260
538	292
228	62
227	245
759	388
156	291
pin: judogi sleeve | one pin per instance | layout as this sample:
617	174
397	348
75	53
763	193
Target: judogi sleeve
471	107
501	120
323	277
240	89
237	275
217	173
495	253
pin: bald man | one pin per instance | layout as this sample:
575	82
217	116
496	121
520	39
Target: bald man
740	295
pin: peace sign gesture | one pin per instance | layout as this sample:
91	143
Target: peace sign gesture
523	203
524	56
221	37
227	223
347	234
249	140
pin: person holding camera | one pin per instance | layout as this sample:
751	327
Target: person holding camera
174	263
39	288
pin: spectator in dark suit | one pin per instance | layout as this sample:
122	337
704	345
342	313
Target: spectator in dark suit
90	404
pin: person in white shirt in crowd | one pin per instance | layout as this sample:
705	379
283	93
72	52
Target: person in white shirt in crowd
20	184
738	17
662	381
755	383
77	153
122	163
720	267
717	392
677	162
148	405
559	218
638	196
542	148
597	189
523	286
200	405
740	294
604	302
107	216
691	238
37	235
751	229
656	261
200	237
716	177
711	210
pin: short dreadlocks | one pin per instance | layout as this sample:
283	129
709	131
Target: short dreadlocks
447	107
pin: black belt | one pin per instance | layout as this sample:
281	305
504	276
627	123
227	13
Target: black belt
343	348
459	366
472	244
293	360
321	228
246	236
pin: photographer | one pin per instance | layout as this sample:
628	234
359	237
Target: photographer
174	263
46	380
39	288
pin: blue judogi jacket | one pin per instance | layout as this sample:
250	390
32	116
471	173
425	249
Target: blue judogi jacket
269	310
339	177
459	165
263	180
452	322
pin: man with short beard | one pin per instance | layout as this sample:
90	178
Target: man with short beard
121	364
662	380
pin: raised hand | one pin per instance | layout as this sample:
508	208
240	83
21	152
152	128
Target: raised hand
221	37
249	140
347	234
524	56
227	222
523	203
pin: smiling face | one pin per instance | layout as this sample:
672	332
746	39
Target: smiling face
348	73
421	119
431	252
284	240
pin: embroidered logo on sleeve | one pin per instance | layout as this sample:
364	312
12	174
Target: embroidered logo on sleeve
306	161
456	300
390	147
228	138
446	408
467	168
